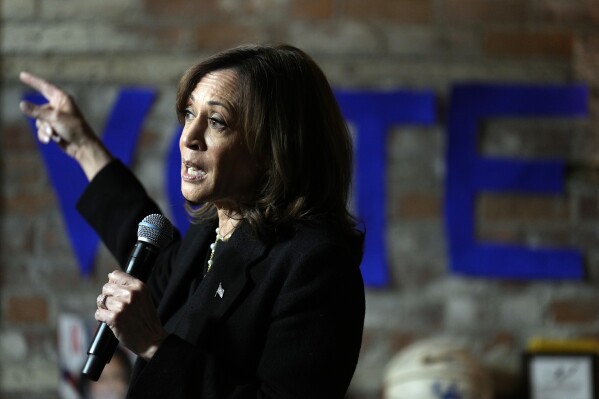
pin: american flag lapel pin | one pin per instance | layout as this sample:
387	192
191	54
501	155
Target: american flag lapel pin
220	291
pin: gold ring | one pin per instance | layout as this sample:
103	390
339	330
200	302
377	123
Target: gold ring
101	302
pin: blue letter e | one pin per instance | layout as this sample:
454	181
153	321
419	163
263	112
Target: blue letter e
469	173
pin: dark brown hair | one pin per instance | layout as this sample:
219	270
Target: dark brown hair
294	130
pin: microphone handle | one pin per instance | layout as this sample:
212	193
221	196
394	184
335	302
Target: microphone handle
104	343
142	260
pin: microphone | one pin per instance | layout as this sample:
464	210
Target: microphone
154	232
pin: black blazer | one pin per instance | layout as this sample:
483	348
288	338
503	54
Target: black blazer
289	322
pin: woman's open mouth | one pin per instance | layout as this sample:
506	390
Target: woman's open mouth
191	172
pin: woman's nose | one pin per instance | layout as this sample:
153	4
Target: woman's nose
193	135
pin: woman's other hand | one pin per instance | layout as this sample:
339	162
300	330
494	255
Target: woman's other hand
126	307
60	121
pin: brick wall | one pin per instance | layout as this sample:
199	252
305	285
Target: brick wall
93	47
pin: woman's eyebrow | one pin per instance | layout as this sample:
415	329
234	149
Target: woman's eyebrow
219	103
229	106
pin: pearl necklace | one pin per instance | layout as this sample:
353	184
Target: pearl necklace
213	246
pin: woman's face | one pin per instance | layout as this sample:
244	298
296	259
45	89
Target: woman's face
216	165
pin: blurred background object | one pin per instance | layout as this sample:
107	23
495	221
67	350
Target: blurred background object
436	369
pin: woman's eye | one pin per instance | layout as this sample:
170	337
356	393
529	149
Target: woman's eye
188	115
217	123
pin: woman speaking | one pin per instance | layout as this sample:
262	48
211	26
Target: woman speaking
263	296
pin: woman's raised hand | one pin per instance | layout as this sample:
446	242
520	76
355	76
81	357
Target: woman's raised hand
61	121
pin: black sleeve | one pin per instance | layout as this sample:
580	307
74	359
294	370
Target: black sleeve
113	204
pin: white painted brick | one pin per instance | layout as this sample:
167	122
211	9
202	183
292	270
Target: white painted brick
384	310
85	9
38	38
153	69
334	39
393	72
9	103
16	9
73	37
518	313
49	67
13	346
411	40
34	375
461	312
371	367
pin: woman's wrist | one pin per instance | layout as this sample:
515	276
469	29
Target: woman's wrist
151	351
93	157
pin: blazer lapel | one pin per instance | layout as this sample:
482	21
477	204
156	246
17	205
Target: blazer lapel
226	281
191	256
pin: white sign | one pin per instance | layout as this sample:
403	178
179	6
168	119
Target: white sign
559	377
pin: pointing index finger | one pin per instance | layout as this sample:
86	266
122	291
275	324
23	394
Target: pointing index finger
51	92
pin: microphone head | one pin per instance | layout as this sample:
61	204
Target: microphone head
155	229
